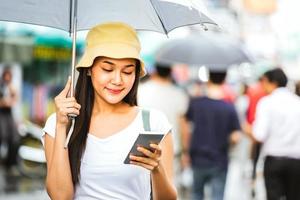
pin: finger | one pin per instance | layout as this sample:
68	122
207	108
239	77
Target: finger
149	167
70	104
144	160
67	111
155	146
65	91
146	152
157	149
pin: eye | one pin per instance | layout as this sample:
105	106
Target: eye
128	73
107	70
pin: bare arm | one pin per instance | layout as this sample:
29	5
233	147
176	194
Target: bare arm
185	134
162	175
235	137
59	179
185	138
160	163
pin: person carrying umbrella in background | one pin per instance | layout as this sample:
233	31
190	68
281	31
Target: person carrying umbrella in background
107	123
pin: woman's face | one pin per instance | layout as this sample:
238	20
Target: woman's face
112	79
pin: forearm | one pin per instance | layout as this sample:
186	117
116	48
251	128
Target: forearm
163	188
59	178
185	135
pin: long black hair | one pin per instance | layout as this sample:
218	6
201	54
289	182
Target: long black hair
84	94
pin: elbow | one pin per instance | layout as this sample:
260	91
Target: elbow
173	196
57	193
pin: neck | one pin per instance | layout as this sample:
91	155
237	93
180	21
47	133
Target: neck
272	88
102	107
214	91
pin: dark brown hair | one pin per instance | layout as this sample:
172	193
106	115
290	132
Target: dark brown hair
276	76
84	94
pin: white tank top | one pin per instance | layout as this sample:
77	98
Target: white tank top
103	174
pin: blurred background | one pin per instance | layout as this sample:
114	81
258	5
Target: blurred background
266	33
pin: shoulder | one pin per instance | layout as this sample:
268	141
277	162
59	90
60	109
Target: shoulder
50	124
264	102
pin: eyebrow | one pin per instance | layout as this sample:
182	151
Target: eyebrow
111	63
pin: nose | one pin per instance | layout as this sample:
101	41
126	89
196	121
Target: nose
117	78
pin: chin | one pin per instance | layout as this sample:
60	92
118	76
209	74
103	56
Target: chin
114	100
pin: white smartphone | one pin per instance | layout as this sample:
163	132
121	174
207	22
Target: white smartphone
144	140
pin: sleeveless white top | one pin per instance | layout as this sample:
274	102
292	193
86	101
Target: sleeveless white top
103	173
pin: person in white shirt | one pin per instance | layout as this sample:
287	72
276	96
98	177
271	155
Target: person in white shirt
277	126
159	92
108	122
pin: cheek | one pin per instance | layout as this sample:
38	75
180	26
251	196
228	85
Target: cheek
100	79
130	82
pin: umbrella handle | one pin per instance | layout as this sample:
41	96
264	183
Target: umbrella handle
69	133
72	116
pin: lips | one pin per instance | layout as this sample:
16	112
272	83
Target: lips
114	91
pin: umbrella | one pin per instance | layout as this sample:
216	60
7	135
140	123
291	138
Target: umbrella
213	50
72	15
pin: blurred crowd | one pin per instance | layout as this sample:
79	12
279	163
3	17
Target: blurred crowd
208	123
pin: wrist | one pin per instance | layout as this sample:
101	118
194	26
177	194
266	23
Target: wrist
157	169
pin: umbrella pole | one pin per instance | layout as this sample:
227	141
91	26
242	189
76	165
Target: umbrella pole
72	117
74	35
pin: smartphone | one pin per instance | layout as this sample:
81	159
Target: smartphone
144	140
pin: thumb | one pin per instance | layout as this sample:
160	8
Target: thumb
65	91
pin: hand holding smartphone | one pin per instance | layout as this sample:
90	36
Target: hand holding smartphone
144	140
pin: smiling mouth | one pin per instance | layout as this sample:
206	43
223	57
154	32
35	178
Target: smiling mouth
113	91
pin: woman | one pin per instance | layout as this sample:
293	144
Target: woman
108	122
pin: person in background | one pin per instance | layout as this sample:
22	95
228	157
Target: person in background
107	124
277	126
215	125
161	93
8	129
297	88
254	92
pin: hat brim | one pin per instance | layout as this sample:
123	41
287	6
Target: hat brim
110	50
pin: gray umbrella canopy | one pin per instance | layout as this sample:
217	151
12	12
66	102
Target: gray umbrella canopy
155	15
214	50
72	15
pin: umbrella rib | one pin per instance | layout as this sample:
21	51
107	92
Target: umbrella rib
161	22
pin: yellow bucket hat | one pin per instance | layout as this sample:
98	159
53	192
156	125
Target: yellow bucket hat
113	40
